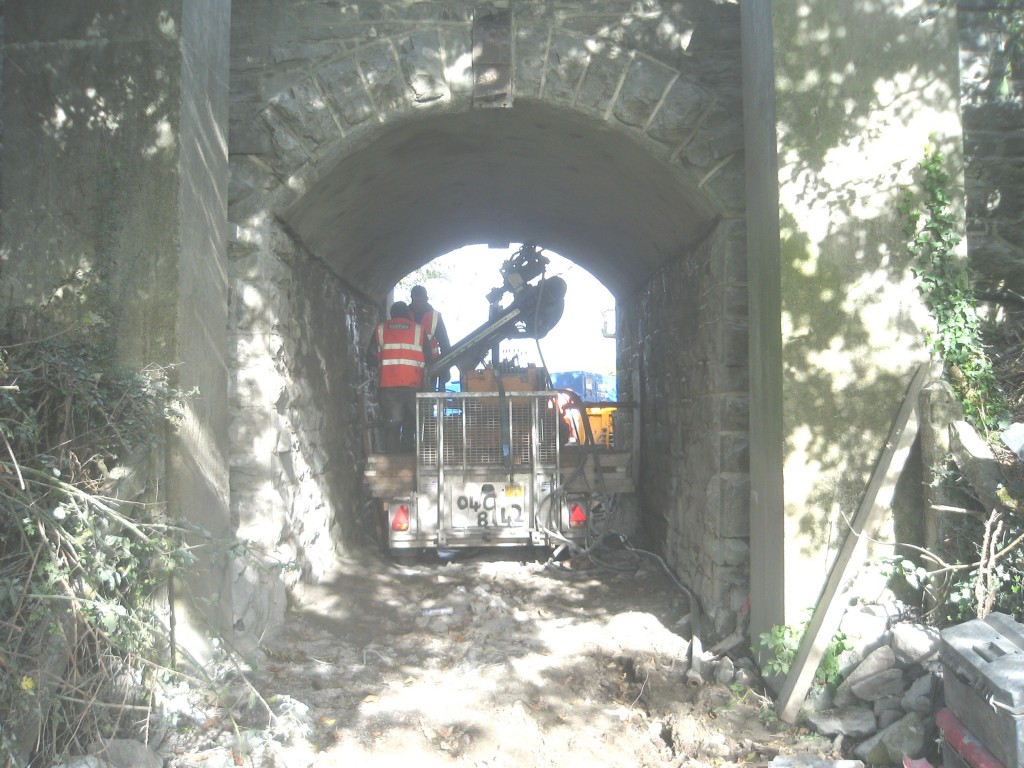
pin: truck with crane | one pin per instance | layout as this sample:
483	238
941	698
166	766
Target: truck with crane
508	461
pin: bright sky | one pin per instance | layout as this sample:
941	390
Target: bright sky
577	343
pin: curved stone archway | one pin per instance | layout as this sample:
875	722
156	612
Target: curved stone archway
630	119
534	172
621	151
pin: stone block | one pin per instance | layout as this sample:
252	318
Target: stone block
385	81
727	552
345	92
245	241
249	468
904	738
736	341
248	136
734	412
304	113
567	61
289	153
726	183
887	682
419	56
601	81
248	184
856	722
257	266
720	135
735	457
254	430
258	510
919	695
733	518
875	662
530	61
914	643
676	118
257	384
255	347
865	631
253	306
729	378
735	301
259	598
644	86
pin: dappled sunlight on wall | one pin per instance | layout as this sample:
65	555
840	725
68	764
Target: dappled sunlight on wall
862	88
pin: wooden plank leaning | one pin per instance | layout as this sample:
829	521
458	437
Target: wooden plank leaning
828	613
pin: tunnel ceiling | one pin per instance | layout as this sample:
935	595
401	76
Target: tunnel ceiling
527	174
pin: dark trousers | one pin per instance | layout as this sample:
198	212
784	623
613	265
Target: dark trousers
398	419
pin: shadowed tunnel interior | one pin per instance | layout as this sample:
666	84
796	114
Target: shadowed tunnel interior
628	212
532	173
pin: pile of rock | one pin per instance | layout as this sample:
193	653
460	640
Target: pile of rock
891	690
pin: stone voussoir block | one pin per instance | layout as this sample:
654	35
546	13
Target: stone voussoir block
419	57
567	61
601	82
643	88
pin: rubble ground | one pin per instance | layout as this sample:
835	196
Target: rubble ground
490	662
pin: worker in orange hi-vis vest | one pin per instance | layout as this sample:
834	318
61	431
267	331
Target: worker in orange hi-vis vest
437	334
399	351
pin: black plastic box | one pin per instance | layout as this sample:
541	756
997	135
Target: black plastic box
983	680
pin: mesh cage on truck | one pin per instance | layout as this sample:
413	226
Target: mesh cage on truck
487	473
478	429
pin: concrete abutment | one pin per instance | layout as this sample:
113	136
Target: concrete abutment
658	145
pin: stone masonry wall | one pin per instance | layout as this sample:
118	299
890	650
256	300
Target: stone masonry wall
313	82
993	114
694	474
297	406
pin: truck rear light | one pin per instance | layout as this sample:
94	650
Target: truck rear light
400	518
577	516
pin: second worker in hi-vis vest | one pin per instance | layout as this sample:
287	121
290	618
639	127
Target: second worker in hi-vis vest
437	334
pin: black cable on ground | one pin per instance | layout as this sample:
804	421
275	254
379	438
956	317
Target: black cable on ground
694	677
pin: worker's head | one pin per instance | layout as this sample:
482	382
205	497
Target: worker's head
399	309
418	294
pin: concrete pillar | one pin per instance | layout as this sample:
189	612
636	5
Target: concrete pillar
860	90
767	541
114	166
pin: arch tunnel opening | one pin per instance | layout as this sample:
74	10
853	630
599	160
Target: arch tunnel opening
458	284
430	185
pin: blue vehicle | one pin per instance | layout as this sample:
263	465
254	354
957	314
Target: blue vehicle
591	387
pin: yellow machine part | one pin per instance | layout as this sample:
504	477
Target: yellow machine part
601	420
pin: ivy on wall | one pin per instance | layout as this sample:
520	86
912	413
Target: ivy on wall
944	284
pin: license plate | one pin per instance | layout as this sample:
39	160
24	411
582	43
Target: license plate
489	505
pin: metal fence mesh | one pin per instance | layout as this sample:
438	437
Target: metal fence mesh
462	431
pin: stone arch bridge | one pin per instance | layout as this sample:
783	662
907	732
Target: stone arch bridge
254	176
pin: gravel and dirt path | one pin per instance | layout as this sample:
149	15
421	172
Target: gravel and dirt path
488	663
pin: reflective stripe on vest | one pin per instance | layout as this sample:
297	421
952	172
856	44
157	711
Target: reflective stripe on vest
401	353
429	323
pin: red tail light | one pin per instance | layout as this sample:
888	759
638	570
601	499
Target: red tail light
400	520
577	516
